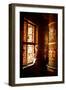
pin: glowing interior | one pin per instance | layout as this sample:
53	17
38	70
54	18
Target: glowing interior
52	45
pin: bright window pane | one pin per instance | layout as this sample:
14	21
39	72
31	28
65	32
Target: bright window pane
29	29
29	38
30	34
30	53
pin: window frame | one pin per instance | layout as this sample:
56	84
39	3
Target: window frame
29	43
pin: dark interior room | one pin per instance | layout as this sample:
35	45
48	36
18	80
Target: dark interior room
38	44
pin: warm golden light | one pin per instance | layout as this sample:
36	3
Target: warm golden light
52	45
30	53
52	52
46	39
30	34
